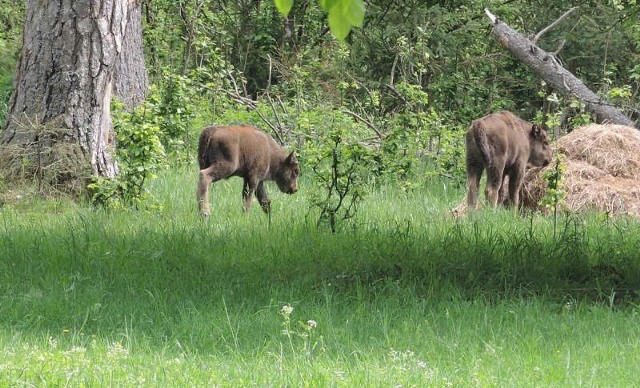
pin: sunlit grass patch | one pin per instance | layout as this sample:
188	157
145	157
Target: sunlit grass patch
405	295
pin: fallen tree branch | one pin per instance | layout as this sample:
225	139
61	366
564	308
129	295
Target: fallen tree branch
547	67
365	121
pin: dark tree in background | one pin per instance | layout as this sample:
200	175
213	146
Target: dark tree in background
76	56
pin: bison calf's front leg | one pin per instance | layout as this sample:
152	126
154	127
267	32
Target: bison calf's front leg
515	184
248	190
261	194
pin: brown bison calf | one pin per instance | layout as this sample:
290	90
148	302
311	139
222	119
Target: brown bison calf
503	144
246	152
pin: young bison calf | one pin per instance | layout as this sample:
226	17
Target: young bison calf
503	144
246	152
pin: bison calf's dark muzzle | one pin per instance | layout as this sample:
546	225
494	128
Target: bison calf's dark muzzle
249	153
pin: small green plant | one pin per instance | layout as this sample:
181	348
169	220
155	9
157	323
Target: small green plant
342	167
555	194
301	339
172	105
581	117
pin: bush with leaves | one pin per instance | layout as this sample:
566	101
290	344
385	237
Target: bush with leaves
140	155
556	192
421	141
181	103
173	106
341	167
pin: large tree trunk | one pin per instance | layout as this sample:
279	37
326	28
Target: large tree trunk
76	55
549	69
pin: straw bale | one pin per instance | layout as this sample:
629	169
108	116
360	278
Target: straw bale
612	148
602	171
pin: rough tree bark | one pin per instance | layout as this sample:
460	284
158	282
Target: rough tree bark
76	55
549	68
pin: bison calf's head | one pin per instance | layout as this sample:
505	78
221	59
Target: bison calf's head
541	152
287	176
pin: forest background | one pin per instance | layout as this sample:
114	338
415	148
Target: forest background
396	96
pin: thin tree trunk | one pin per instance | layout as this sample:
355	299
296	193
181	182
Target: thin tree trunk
551	70
76	55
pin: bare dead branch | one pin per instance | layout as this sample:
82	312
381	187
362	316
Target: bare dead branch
560	47
251	104
272	104
393	70
494	19
552	25
365	121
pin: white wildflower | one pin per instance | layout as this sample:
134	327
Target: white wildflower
116	350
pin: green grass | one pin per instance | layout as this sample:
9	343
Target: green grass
407	295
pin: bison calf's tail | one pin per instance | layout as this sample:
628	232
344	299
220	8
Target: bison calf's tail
482	142
203	145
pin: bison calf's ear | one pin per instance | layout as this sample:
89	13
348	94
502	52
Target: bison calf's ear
536	132
291	159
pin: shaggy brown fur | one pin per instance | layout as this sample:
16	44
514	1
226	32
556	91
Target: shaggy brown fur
503	144
246	152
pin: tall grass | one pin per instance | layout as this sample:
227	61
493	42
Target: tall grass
406	295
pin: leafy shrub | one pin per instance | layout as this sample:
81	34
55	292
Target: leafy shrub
173	110
341	166
139	154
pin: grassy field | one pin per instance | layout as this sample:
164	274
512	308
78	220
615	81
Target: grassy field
406	296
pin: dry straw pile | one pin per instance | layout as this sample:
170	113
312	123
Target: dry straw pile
602	171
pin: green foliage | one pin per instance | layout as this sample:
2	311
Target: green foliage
284	6
554	178
555	192
343	15
172	105
342	169
140	155
563	113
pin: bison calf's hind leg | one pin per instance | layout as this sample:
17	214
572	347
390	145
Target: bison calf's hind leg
473	184
206	177
515	183
494	184
204	180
